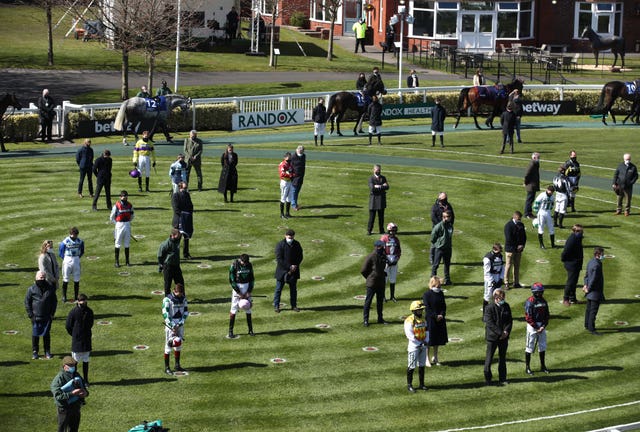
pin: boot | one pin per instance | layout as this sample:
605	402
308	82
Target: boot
502	149
560	220
555	219
392	292
126	257
179	368
139	184
315	140
116	252
370	136
250	325
232	321
572	203
553	241
146	184
167	369
321	140
442	141
225	197
527	360
186	249
288	214
64	291
85	372
433	140
541	242
421	378
282	210
410	380
543	366
231	196
379	142
76	290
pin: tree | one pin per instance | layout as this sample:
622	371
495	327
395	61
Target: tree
331	8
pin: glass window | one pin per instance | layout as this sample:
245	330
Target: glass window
477	5
486	23
508	6
468	23
604	17
423	4
446	23
604	7
525	25
507	25
423	23
447	5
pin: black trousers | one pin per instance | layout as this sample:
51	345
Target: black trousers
198	168
573	273
441	255
171	274
372	218
379	293
69	418
528	203
89	175
106	184
361	43
590	314
47	127
501	345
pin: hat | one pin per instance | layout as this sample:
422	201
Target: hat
379	243
68	361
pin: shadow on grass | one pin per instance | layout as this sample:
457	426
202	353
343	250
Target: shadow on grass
28	394
222	257
113	297
412	233
587	369
231	366
218	210
108	353
622	301
18	270
634	329
105	316
152	208
219	300
333	308
13	363
132	382
292	331
333	206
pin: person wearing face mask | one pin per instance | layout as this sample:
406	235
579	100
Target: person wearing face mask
102	171
435	314
442	244
378	187
144	157
289	255
593	289
572	257
515	239
623	180
412	79
543	205
48	263
241	278
286	173
572	171
531	184
498	323
121	215
373	271
562	187
169	261
493	268
78	325
415	329
41	303
441	205
393	252
536	314
71	250
183	216
175	311
69	394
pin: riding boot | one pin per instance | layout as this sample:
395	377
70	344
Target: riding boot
231	196
442	141
410	380
232	320
76	290
282	210
185	251
166	363
64	291
421	378
555	219
541	242
379	142
503	145
250	325
176	355
433	140
392	291
139	184
573	204
370	136
315	140
126	256
543	365
85	372
225	197
117	256
527	361
553	241
288	209
146	184
560	220
321	140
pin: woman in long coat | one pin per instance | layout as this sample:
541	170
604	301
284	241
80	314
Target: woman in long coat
229	174
435	313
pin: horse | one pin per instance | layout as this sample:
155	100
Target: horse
9	99
615	43
474	97
629	91
158	109
340	102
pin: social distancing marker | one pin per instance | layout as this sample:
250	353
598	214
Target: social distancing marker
37	229
10	332
417	218
455	339
104	323
180	373
85	211
57	199
194	313
355	255
278	360
317	278
561	242
282	305
243	245
360	297
210	231
249	215
542	261
204	266
317	241
139	236
317	210
407	193
458	232
349	223
93	258
323	326
370	349
621	323
471	267
479	215
124	273
234	337
609	256
157	292
11	265
141	347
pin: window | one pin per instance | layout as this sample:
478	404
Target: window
604	18
434	18
515	20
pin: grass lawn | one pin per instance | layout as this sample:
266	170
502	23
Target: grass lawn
328	381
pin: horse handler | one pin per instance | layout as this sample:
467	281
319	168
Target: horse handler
144	157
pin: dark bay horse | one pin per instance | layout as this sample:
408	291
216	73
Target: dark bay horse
157	110
474	97
340	102
615	43
629	91
9	99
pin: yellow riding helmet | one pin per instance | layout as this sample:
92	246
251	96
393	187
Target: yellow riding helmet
416	305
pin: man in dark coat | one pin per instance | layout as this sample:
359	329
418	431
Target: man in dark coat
515	239
78	325
531	184
378	187
572	257
498	322
46	113
84	159
232	23
623	180
319	117
508	122
102	171
169	261
373	271
299	162
41	303
593	289
374	113
442	244
229	174
289	255
438	114
183	215
192	150
441	205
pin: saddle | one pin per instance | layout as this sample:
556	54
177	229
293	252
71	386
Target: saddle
363	99
158	103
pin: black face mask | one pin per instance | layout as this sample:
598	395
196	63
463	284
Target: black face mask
41	284
145	139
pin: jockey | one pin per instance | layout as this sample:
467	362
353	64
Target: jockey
501	91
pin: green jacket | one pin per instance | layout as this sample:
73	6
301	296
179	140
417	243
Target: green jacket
60	397
360	30
169	253
441	235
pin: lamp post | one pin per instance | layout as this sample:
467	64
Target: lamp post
402	17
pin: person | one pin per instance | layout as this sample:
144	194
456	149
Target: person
121	215
228	181
299	163
232	23
287	173
516	105
177	173
378	188
69	393
143	93
415	329
242	279
84	159
478	78
79	323
562	187
389	38
46	114
40	303
374	113
289	256
192	150
183	215
435	313
71	250
623	180
508	123
48	263
542	206
175	312
164	90
169	261
102	171
441	205
572	171
360	29
361	82
373	272
493	268
319	117
572	258
498	323
438	114
515	239
531	183
412	79
144	157
375	80
393	251
593	289
441	242
536	314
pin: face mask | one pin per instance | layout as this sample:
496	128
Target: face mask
289	241
436	289
377	173
41	283
71	369
82	305
601	257
501	302
145	139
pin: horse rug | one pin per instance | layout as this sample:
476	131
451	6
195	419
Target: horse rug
491	92
632	87
363	99
156	104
